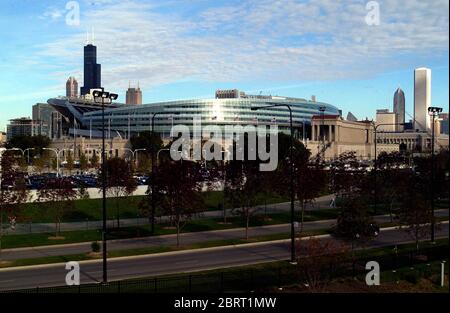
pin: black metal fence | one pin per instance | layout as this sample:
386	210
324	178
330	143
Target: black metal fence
267	278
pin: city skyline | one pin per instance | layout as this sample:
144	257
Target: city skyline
289	65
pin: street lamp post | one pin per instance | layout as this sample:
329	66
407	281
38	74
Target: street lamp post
433	111
153	176
57	152
133	153
27	151
2	150
111	96
375	163
291	189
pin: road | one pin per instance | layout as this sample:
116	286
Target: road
21	228
171	262
170	240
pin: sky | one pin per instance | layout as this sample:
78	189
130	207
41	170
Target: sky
353	54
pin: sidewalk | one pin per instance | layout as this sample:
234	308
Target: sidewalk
170	240
321	203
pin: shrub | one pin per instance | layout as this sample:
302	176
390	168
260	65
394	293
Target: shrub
412	277
95	246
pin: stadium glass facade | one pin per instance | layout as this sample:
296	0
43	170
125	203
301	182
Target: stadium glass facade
130	120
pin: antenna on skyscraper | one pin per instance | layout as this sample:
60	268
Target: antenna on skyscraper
92	34
87	36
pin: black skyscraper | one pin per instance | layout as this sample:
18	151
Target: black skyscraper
92	70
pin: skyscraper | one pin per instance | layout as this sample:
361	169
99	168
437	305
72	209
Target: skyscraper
399	108
71	87
92	70
422	98
134	96
43	115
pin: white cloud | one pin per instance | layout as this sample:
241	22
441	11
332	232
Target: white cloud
52	14
255	39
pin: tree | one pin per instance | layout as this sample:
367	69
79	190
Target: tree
354	221
83	162
13	191
23	142
179	187
344	179
242	188
151	141
58	197
143	163
119	181
309	178
39	163
318	259
70	163
414	214
94	160
310	181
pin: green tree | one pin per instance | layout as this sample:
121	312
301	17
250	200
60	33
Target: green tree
58	197
24	142
83	162
13	192
119	181
414	213
39	163
147	140
70	163
243	186
95	160
179	189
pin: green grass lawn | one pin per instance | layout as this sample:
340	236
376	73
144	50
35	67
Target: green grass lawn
153	250
91	209
39	239
196	225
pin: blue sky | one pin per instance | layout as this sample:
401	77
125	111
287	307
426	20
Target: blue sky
187	49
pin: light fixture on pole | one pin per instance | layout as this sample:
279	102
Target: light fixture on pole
103	95
433	111
291	160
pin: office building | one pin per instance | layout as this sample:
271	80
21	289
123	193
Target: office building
133	96
23	126
386	120
399	108
71	87
46	115
443	123
422	99
2	138
92	70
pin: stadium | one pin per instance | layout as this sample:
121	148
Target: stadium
83	117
